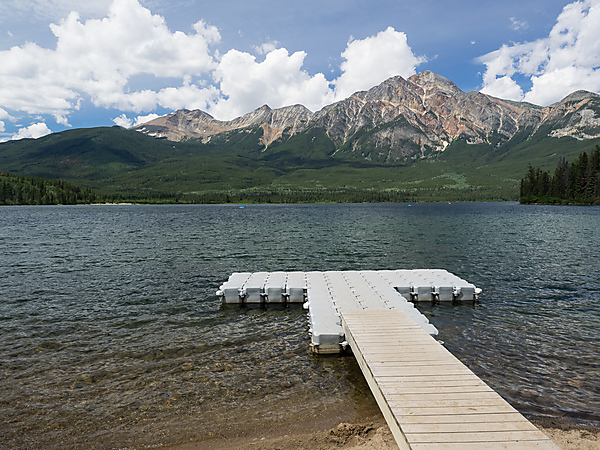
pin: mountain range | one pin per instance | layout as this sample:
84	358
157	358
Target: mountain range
400	119
415	138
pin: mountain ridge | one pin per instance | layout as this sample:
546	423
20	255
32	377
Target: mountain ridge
418	116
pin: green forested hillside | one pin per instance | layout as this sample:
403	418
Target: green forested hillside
127	165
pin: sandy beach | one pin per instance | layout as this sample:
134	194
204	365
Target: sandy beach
369	434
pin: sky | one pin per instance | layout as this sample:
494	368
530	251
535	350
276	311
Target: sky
84	63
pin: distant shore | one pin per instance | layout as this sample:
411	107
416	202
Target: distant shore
111	203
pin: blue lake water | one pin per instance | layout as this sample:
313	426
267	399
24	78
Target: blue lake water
112	336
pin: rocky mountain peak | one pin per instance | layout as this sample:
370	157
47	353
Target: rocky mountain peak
577	96
430	81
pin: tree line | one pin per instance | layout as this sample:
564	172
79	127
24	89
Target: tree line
316	195
21	190
577	183
328	195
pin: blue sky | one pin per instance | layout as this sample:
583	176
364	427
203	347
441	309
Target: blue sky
84	63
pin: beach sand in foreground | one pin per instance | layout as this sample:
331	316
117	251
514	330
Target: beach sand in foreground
372	434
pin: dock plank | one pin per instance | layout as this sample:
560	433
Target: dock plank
460	419
506	445
491	425
438	382
470	437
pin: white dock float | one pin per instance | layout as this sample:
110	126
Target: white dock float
429	399
328	294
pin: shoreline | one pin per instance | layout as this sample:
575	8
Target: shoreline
369	434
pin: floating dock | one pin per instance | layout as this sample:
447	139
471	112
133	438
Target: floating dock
328	294
429	399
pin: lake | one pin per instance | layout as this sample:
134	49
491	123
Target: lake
112	335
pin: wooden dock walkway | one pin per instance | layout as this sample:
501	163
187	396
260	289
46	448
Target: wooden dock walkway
429	399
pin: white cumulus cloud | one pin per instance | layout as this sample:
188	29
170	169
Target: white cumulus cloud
370	61
266	47
97	59
279	80
34	131
100	56
565	61
123	121
143	119
126	122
